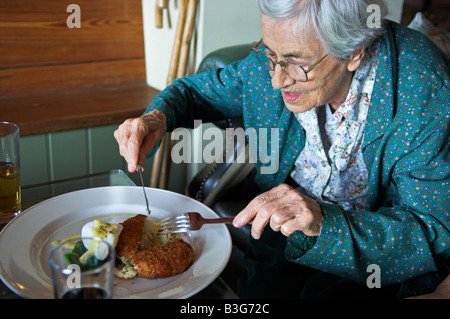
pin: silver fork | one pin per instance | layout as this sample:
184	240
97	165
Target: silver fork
188	221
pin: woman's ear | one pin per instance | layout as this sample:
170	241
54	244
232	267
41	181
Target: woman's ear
355	60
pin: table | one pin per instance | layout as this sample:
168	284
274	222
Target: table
34	194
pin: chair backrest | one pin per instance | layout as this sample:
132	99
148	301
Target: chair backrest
222	57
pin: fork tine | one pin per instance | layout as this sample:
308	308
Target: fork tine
173	230
174	218
175	224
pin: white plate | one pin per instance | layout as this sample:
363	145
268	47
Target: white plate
25	243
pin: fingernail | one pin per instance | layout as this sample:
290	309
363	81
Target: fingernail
255	235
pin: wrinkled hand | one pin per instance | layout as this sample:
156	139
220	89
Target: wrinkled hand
138	136
285	210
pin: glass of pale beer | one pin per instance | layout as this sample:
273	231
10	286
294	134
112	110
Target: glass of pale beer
10	196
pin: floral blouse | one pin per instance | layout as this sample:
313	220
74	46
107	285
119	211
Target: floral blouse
338	175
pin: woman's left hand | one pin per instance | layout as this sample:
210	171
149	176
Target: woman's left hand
285	210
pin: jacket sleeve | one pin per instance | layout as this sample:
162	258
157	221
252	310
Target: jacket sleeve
209	96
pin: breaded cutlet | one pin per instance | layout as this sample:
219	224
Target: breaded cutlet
130	236
159	262
147	254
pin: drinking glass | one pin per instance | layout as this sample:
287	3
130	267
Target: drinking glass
82	275
10	195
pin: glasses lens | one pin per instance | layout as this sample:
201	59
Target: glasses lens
294	71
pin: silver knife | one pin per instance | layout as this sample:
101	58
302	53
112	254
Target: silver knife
143	188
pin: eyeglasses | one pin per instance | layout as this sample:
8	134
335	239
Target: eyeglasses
293	70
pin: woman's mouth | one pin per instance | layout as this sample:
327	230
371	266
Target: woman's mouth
291	97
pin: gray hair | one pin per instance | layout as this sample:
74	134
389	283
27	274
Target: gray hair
342	26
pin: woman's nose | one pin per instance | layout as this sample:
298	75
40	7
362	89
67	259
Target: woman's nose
280	79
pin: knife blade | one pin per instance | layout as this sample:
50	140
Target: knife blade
143	187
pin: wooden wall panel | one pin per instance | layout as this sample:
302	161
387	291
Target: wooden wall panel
35	32
51	113
57	83
24	82
41	55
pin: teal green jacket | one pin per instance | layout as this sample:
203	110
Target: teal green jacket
405	227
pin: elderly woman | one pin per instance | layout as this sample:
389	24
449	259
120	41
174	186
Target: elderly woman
362	194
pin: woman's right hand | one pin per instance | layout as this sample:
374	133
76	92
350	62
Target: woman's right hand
138	136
